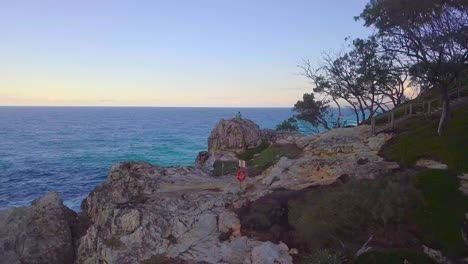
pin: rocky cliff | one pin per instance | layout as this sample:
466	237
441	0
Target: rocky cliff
148	214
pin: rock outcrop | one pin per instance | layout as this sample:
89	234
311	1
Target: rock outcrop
142	212
147	213
228	139
234	135
42	233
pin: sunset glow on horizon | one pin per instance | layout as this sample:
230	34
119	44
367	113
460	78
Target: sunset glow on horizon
155	53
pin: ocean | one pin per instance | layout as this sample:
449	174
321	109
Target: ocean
70	149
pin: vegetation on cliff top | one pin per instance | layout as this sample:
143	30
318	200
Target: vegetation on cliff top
442	218
418	139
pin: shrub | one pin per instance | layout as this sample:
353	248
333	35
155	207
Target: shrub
273	153
443	215
248	154
289	125
221	168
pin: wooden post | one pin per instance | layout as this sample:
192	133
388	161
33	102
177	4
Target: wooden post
373	125
392	120
410	109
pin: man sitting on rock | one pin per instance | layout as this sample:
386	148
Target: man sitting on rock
239	115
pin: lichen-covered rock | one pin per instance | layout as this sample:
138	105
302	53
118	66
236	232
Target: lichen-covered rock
41	233
227	139
234	135
431	164
143	211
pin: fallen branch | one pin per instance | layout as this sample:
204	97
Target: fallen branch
365	248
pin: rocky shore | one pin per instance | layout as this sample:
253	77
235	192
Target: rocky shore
148	214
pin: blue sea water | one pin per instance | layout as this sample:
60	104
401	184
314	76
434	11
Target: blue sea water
70	149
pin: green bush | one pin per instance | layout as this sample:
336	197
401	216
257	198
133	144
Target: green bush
249	153
289	125
273	153
419	139
443	215
353	211
221	168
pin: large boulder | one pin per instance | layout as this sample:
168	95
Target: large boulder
228	139
144	212
234	135
41	233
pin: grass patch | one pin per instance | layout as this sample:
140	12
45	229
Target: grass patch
273	153
352	212
393	257
330	216
443	215
250	153
221	168
419	139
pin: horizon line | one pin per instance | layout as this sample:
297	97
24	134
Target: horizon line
130	106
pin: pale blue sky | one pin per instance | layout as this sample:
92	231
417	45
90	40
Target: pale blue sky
166	53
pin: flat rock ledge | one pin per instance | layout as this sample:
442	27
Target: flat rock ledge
143	213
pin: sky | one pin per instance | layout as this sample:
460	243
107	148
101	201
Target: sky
205	53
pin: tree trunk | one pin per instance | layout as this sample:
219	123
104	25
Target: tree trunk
445	116
338	122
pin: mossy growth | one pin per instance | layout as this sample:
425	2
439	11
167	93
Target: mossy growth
113	242
327	216
221	168
248	154
442	218
273	153
443	215
418	139
393	257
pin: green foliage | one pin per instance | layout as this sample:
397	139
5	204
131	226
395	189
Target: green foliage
249	153
221	168
420	31
352	211
419	139
323	256
289	125
443	215
273	153
393	257
312	111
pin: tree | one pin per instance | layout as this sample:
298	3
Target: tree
315	112
368	78
289	125
431	35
